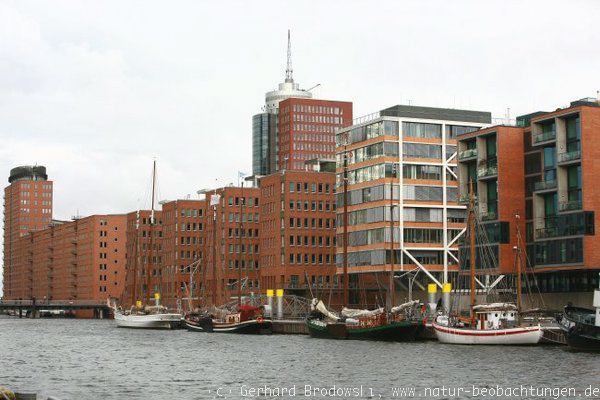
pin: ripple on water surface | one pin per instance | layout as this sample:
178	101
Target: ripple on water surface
91	359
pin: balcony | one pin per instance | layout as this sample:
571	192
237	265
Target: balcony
487	172
466	154
544	185
544	137
558	231
570	205
569	157
571	224
464	198
489	216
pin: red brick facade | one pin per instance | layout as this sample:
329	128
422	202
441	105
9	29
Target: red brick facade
298	234
307	130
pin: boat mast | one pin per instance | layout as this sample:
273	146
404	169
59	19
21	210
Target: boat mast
472	248
345	247
519	270
150	261
214	202
136	249
241	227
393	255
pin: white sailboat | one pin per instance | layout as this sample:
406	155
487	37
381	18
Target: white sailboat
151	316
492	323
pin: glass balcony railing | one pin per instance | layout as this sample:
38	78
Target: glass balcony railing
489	216
559	231
544	137
464	198
544	185
571	224
469	153
569	156
570	205
485	171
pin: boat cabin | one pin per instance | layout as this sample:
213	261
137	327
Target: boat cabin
495	316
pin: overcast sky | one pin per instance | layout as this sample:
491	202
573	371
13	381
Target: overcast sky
94	90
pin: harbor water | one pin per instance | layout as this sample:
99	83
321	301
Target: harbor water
92	359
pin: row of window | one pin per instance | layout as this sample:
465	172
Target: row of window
410	214
299	187
411	235
305	108
312	206
246	217
243	248
314	241
303	258
244	201
315	223
381	257
322	119
409	129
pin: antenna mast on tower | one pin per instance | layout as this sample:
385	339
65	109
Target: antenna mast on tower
289	71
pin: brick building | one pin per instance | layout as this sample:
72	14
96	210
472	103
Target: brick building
563	196
492	159
144	247
27	208
184	242
237	238
307	130
298	234
83	259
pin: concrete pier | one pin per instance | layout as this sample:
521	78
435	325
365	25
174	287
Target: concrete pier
290	327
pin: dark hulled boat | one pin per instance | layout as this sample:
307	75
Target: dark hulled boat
373	325
582	329
402	331
248	320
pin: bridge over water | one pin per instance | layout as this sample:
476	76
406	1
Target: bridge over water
33	308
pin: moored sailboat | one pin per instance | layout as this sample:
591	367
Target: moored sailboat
145	316
242	318
489	324
400	323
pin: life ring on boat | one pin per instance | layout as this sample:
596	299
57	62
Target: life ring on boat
259	320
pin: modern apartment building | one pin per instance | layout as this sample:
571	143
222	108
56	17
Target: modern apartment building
491	162
402	173
27	208
297	238
563	196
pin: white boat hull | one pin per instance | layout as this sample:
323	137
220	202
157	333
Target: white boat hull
528	335
148	321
